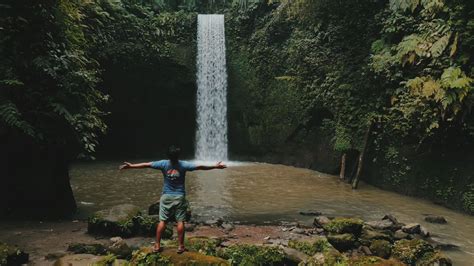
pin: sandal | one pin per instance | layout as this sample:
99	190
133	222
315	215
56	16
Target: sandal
181	250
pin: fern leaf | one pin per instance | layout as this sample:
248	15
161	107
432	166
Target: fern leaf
454	78
454	46
440	45
11	116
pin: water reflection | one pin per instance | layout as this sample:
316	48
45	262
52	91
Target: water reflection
209	193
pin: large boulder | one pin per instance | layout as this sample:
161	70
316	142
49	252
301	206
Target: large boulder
411	251
145	225
381	225
89	259
116	221
146	256
413	228
330	257
82	248
11	255
369	235
344	225
342	242
381	248
125	221
311	246
321	221
244	254
372	260
295	256
204	245
435	219
119	248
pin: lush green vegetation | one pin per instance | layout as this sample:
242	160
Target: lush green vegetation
387	83
385	86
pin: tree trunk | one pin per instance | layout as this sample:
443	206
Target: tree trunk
342	173
355	181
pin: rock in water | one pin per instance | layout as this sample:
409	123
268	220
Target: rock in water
435	219
320	221
418	252
310	213
344	225
412	228
369	235
399	234
228	226
381	225
116	221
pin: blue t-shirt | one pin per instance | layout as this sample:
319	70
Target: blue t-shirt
174	175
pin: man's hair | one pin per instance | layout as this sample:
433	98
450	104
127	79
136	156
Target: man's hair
173	153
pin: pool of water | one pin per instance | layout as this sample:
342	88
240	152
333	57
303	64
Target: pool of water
259	193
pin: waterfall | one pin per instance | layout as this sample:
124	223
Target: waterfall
211	136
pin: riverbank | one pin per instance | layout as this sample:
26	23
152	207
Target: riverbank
48	243
326	241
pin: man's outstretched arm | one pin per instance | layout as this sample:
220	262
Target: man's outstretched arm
219	165
127	165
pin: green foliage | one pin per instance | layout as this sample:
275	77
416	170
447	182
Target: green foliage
252	255
468	199
344	225
411	251
311	247
203	245
109	259
141	257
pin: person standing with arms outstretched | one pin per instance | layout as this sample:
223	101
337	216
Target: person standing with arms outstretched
173	204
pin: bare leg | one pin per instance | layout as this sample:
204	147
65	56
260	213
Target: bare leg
159	230
180	229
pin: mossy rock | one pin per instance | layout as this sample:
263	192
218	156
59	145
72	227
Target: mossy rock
369	235
244	254
375	261
328	258
311	246
381	248
81	248
146	226
11	255
89	259
204	245
344	225
435	258
342	242
146	256
116	221
411	251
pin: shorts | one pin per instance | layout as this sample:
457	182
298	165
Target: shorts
173	208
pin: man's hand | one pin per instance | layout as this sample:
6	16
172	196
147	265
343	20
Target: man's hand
220	165
125	165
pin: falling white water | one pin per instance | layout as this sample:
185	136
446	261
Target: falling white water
211	136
